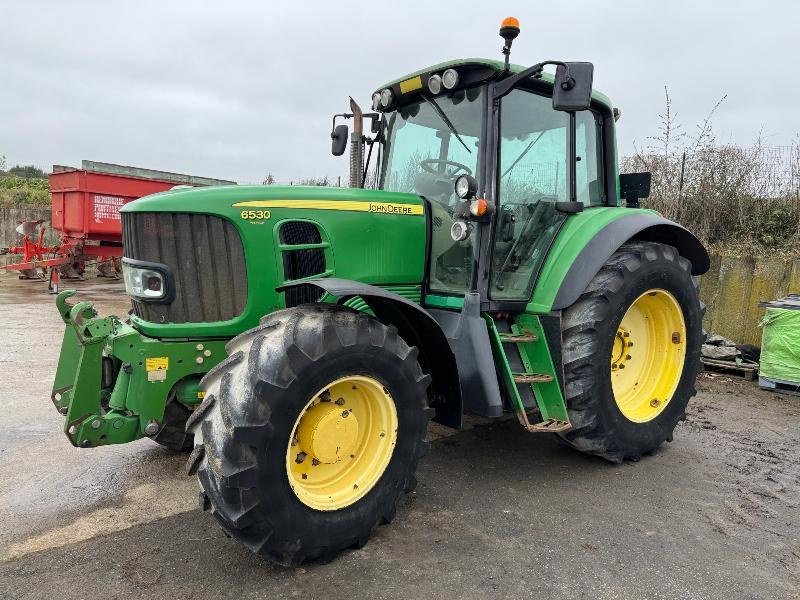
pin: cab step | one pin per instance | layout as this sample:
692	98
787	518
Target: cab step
550	426
518	338
546	426
523	344
532	378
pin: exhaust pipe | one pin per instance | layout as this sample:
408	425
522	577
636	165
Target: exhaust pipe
356	146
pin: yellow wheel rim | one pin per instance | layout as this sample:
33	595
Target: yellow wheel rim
648	355
341	443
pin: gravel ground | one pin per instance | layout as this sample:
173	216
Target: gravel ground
498	512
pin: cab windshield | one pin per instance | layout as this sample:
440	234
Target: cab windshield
428	144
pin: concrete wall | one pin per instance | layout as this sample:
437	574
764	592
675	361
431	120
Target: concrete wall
9	217
734	286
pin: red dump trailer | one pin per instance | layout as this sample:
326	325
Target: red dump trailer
85	215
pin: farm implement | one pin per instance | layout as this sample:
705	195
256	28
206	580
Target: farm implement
85	217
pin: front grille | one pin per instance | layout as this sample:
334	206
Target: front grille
302	263
206	258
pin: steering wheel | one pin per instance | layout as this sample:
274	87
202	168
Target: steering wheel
427	165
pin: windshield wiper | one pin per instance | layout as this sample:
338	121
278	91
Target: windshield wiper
522	154
446	121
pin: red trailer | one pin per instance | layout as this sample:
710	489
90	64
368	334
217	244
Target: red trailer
85	214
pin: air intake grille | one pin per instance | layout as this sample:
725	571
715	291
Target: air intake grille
302	263
206	258
299	232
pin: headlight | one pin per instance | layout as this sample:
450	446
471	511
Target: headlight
435	84
450	79
466	186
386	98
376	101
144	282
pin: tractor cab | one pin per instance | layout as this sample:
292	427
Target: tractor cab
502	155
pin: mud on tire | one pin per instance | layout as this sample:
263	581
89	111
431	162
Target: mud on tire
589	327
253	400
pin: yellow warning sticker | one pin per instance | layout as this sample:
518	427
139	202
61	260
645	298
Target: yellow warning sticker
157	363
410	85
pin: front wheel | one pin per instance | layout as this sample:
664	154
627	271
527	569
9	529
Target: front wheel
631	347
311	432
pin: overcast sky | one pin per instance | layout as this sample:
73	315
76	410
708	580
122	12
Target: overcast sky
238	89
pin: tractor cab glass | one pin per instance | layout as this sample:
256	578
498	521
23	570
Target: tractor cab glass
428	144
532	177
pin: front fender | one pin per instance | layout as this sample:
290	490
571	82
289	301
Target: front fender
418	328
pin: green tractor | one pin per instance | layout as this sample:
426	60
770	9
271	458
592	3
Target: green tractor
299	339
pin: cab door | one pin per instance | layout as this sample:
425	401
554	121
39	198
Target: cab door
532	178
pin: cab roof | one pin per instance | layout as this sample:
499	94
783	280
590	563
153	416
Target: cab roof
489	65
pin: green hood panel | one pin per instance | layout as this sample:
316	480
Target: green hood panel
370	236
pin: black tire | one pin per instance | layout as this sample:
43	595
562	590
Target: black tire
252	403
173	434
589	327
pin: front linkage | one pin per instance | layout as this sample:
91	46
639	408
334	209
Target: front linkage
113	384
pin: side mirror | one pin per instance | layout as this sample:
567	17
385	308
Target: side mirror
339	137
572	90
633	187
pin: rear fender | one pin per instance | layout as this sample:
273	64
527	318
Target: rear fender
640	226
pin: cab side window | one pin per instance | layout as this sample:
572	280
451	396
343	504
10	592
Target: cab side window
589	150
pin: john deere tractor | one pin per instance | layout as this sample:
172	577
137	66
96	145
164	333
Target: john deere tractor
299	339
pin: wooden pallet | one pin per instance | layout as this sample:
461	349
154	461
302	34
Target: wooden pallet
778	385
747	370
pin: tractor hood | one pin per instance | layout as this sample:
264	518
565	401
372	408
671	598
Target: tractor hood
224	250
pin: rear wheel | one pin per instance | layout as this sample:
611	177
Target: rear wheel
310	432
631	346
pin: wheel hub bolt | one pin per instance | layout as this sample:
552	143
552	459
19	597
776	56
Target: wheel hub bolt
655	402
314	461
345	413
340	401
676	337
301	456
622	366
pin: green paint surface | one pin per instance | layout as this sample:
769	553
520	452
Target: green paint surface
377	248
536	358
578	230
